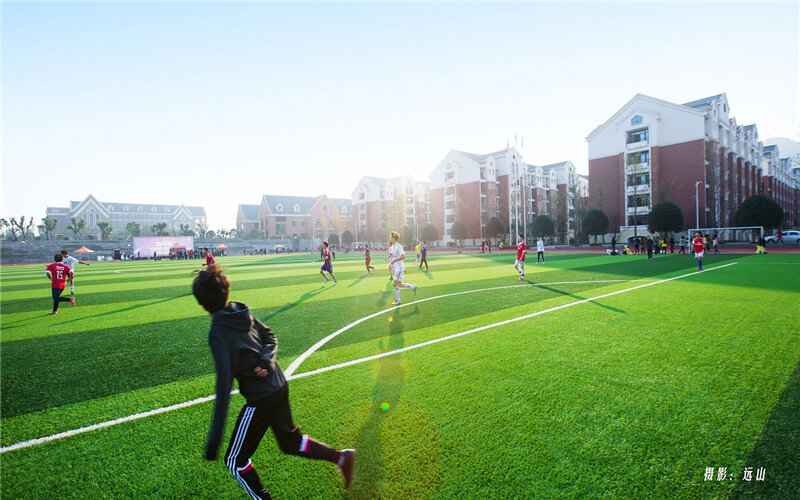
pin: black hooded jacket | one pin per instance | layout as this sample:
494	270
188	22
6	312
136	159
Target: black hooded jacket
240	343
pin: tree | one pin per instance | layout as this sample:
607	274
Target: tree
20	227
459	231
185	230
364	235
333	239
202	228
105	229
133	229
254	234
495	227
159	229
759	210
429	232
210	234
543	225
407	235
47	228
665	217
4	224
347	238
77	227
595	222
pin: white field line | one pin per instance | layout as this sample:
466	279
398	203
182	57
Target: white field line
311	350
137	416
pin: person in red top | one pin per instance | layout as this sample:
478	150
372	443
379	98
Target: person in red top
326	264
209	258
368	258
58	273
519	264
699	248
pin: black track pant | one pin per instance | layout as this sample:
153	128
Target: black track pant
252	423
539	255
58	298
424	261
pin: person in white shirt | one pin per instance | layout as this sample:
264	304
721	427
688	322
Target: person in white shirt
539	250
396	257
70	262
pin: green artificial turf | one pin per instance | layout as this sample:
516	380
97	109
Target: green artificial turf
629	396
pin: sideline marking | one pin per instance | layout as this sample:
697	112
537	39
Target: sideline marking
137	416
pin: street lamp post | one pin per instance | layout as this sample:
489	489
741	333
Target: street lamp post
635	213
697	205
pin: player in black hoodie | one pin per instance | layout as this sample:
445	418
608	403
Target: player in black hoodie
243	348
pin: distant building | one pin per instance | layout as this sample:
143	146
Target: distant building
311	217
474	188
653	150
381	205
120	214
247	218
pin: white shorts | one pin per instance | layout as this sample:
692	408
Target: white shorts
698	255
519	263
398	274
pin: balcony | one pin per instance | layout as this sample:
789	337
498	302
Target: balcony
637	168
640	210
636	145
639	189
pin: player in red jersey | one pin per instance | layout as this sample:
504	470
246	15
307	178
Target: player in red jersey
58	273
519	264
367	258
209	258
326	265
699	247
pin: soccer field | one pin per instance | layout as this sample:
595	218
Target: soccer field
546	393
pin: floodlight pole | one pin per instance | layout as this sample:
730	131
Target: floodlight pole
635	213
697	205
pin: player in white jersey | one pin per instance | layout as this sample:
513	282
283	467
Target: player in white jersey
396	257
70	263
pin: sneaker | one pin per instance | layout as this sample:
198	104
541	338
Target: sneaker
334	283
53	312
521	278
414	289
326	280
347	461
72	301
72	291
396	303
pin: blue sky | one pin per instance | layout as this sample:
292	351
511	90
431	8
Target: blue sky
216	103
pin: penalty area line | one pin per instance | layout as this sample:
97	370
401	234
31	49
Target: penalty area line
289	376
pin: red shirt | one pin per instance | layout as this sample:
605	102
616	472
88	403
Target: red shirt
209	259
521	251
58	274
326	254
698	245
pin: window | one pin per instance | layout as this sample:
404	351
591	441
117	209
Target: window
279	208
153	209
166	210
139	209
111	208
360	196
449	176
640	157
296	208
639	179
638	136
325	209
640	200
636	120
294	223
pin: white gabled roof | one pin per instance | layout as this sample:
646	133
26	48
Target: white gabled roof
631	106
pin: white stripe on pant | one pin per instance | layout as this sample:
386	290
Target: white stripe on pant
241	433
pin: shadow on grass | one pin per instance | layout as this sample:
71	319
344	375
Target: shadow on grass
297	302
125	309
777	449
578	297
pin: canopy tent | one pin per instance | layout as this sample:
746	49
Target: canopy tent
279	246
222	246
83	250
177	247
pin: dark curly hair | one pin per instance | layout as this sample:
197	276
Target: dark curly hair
211	288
